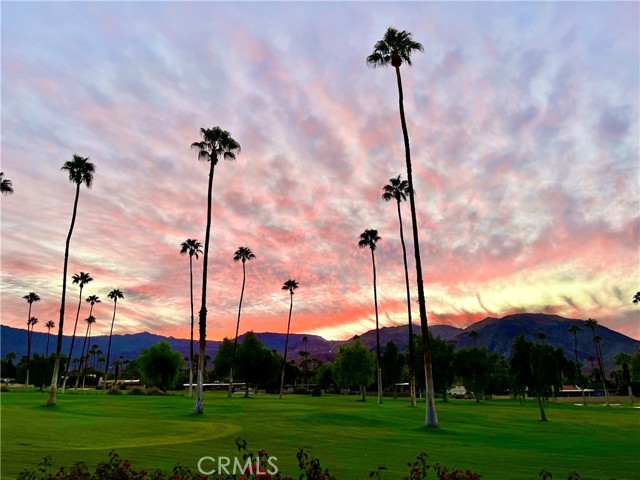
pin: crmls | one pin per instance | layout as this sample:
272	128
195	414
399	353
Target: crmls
237	467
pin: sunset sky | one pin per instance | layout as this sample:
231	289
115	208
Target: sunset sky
523	119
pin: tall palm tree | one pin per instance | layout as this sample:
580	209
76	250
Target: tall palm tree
542	336
49	326
591	324
398	189
80	171
216	143
83	359
80	279
30	324
289	285
90	321
193	247
574	329
474	336
31	297
5	185
396	48
368	239
241	255
114	295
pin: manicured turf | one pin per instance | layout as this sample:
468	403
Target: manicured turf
500	439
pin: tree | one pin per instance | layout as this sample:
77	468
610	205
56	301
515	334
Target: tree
474	336
398	189
222	360
623	360
541	337
31	297
30	324
114	295
368	239
324	376
392	363
574	329
243	254
192	247
81	279
591	324
5	185
472	366
161	366
90	320
80	171
256	364
443	355
49	326
396	48
289	285
354	365
216	143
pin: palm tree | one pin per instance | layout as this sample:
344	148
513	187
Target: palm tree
30	324
574	329
398	189
31	297
474	336
636	298
83	359
90	321
49	326
114	295
242	254
80	279
541	337
193	247
591	324
368	239
289	285
5	185
80	171
396	48
216	143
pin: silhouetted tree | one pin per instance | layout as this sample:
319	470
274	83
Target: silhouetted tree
80	171
368	239
591	324
192	247
161	366
243	254
84	353
636	298
574	329
354	365
290	285
30	324
392	363
474	336
472	366
6	186
216	143
396	48
31	297
49	326
398	189
80	279
114	295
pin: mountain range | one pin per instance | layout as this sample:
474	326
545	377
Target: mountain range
496	334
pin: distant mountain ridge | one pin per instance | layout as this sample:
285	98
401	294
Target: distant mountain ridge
496	334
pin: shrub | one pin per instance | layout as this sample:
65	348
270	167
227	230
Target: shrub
154	391
316	392
300	391
136	391
4	388
114	390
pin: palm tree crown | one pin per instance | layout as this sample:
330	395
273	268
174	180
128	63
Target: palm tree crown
290	285
216	143
5	185
397	189
31	297
93	299
368	239
243	254
50	324
80	170
81	278
191	246
394	49
115	294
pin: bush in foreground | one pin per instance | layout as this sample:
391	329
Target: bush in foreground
254	467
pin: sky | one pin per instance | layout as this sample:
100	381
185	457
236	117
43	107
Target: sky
523	121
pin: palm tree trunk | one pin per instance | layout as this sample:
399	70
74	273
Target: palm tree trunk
82	359
48	337
29	329
412	370
375	302
286	347
235	343
601	366
431	419
86	361
191	343
198	408
106	367
56	366
73	339
543	416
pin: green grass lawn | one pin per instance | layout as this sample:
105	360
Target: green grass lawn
500	439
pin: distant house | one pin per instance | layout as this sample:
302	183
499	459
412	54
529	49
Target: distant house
458	391
574	391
